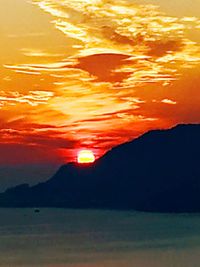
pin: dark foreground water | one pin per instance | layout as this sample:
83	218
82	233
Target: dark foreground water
91	238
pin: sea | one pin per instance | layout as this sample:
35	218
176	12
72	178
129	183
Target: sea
98	238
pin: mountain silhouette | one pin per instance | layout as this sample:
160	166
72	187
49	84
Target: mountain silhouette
159	171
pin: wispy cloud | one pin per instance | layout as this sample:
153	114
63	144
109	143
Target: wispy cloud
168	101
34	98
30	52
154	45
123	43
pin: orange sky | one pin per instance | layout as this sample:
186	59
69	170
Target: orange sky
93	73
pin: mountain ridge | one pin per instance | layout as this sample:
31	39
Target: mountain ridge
158	171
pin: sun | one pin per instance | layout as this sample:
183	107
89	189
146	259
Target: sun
85	156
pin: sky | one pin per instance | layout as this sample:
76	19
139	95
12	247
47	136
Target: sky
91	74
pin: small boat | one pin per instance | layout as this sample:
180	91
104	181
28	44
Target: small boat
36	210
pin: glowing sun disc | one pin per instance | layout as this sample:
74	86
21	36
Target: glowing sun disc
85	156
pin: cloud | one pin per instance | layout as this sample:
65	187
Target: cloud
34	98
45	137
165	101
168	101
28	142
121	42
123	27
30	52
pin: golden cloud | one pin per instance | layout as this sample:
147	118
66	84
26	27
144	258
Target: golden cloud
152	45
120	42
34	98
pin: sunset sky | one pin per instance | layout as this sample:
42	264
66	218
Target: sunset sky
91	74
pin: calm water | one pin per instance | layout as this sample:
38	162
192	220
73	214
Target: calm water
90	238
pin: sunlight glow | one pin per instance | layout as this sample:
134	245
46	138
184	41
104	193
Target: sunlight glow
85	156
